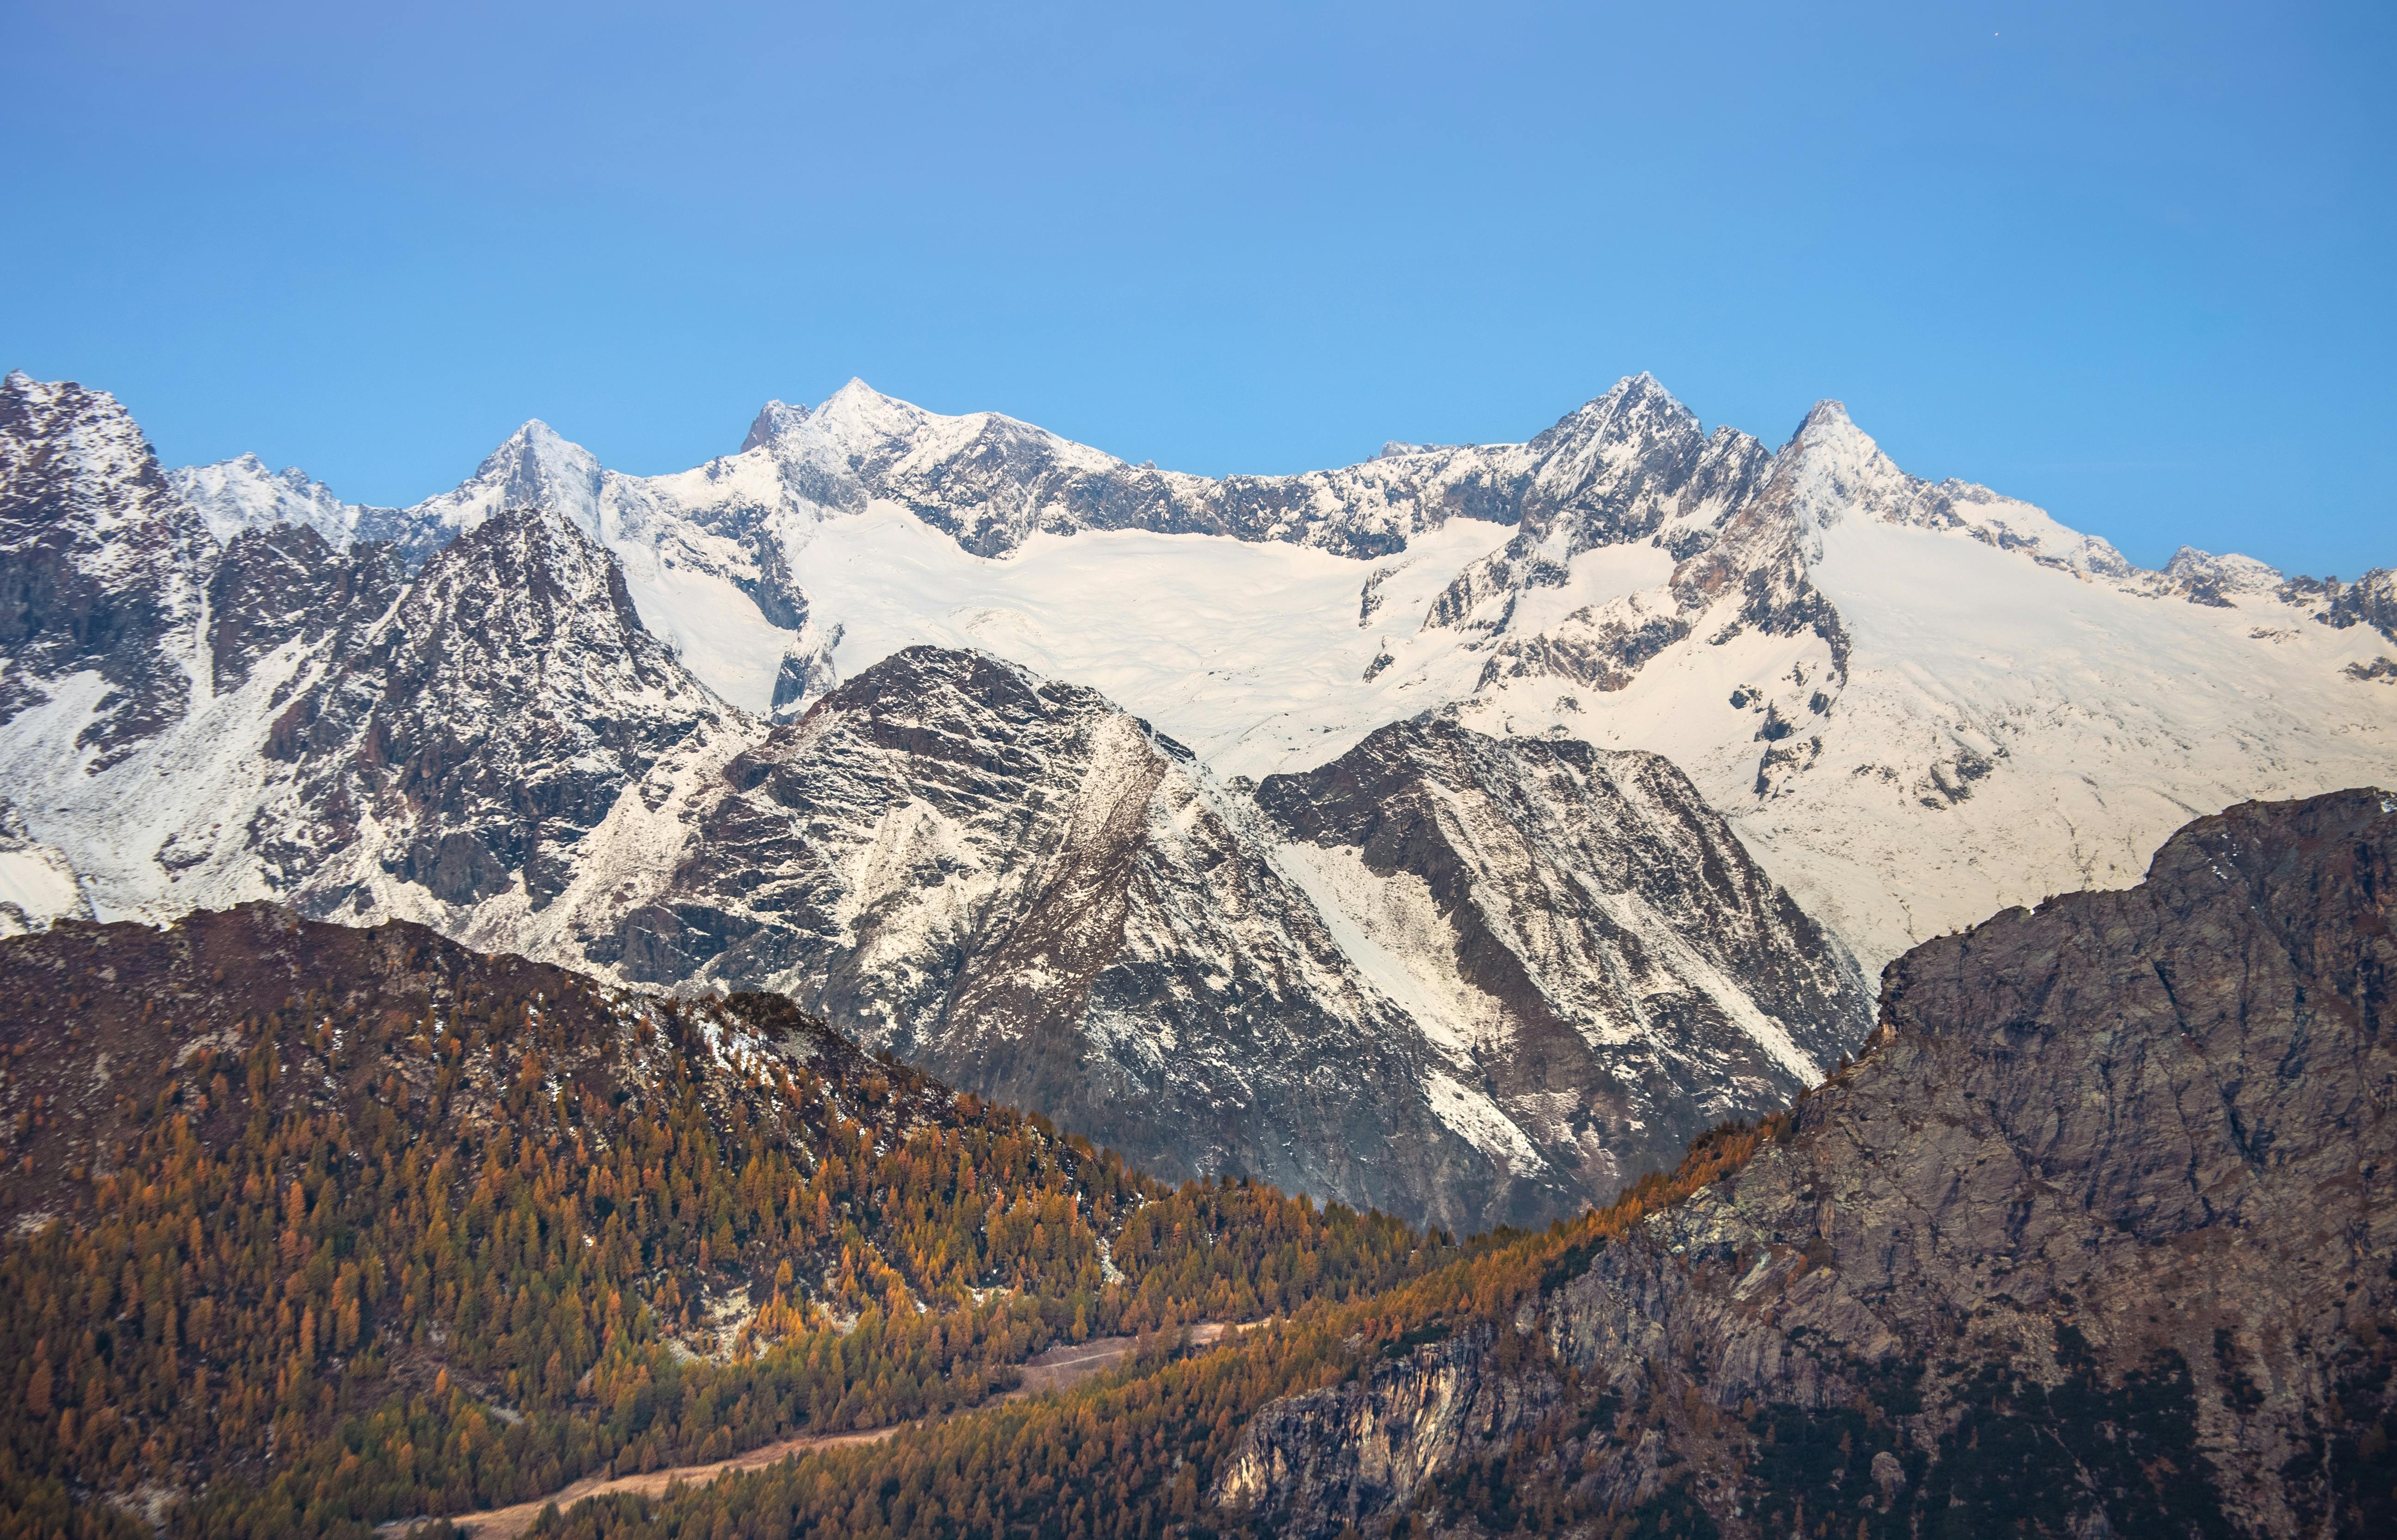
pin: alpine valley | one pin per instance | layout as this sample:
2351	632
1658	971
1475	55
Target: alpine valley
1457	832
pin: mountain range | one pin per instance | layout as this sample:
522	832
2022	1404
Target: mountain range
1458	832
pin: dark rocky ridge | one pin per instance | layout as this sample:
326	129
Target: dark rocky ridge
2097	1240
2370	600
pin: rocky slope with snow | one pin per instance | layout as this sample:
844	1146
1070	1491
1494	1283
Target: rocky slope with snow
314	725
1487	984
99	565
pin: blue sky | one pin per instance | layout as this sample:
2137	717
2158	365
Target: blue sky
2132	262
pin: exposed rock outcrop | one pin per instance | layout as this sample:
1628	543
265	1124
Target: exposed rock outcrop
2099	1238
1588	933
467	741
100	568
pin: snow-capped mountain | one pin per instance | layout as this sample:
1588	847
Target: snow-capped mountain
1007	876
317	726
1420	826
1918	702
241	493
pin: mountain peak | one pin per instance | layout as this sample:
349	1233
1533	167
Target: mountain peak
74	402
856	394
1828	429
243	493
537	449
773	420
2206	577
534	431
1640	389
60	434
858	409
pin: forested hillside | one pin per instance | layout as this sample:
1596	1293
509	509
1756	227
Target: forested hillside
1145	1452
314	1226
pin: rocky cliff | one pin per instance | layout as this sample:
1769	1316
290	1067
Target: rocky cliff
99	565
2096	1239
1585	935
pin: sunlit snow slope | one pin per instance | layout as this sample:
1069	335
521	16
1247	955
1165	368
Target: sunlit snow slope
1918	702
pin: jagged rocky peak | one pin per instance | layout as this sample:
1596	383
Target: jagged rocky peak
2095	1240
2369	600
73	448
1563	915
1830	469
100	564
861	418
2204	578
773	420
241	493
539	467
486	725
1634	404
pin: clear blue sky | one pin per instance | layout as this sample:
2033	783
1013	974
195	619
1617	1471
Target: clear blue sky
2132	262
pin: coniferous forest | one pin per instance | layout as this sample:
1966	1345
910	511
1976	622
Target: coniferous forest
335	1226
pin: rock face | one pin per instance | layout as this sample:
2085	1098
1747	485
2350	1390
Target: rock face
2371	600
2096	1239
99	565
280	584
1568	920
1463	981
485	727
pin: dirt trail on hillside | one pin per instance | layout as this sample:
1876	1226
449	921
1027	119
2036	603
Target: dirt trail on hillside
1055	1369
